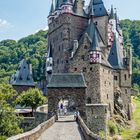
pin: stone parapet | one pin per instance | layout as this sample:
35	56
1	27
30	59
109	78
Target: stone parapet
97	117
89	135
35	133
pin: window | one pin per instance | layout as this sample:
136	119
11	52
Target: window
57	61
75	69
125	77
125	91
84	69
91	69
115	78
83	57
28	78
89	100
85	47
20	78
107	96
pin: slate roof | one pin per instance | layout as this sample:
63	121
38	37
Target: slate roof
67	80
98	7
58	4
94	35
22	76
115	57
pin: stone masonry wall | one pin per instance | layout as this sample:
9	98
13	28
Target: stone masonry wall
96	117
62	32
20	89
107	90
80	63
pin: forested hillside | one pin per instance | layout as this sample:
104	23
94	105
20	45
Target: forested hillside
131	31
34	46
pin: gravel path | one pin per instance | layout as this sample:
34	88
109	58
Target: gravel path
64	129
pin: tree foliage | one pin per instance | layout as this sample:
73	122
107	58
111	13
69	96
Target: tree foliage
31	98
131	32
9	122
32	48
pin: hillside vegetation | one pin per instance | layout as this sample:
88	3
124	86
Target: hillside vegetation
34	46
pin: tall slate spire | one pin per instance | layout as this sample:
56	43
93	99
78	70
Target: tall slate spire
98	7
115	57
94	35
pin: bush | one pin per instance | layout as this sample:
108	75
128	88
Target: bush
112	128
138	136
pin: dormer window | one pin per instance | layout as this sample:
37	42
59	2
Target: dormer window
20	78
28	78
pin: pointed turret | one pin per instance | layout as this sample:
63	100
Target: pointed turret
52	8
93	33
115	58
112	14
96	42
98	7
78	7
23	76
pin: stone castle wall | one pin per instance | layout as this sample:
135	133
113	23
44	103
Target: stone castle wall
97	117
107	90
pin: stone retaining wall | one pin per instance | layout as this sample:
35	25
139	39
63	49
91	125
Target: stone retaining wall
35	133
89	135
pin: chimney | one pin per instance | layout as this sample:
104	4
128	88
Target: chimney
30	69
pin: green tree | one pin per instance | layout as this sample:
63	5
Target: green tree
31	98
9	122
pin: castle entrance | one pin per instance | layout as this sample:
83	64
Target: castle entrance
69	89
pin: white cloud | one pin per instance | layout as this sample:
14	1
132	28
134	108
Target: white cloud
4	23
46	28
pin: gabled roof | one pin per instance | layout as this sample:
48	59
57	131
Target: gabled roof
115	57
98	7
71	80
94	35
23	76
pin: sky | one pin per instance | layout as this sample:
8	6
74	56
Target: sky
19	18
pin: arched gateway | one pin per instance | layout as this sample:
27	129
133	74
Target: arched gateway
69	86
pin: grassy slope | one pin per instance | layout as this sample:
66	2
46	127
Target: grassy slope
131	132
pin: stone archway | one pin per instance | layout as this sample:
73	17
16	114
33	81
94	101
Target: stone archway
66	86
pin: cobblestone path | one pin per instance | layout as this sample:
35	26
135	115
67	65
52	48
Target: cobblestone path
64	129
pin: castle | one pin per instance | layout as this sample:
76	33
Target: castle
89	40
